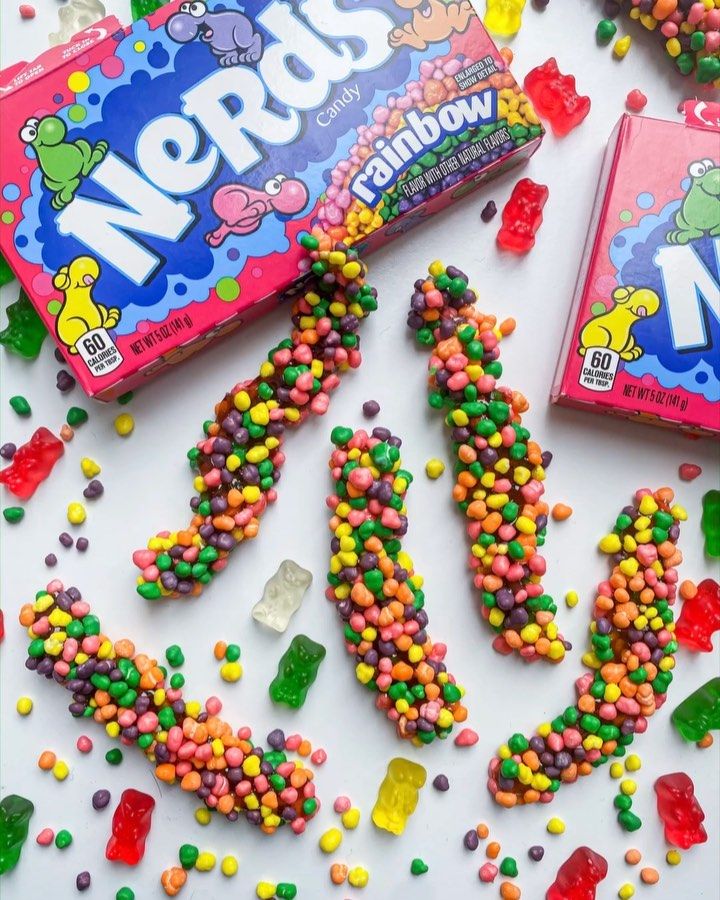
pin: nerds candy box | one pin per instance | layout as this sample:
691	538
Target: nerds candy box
645	336
155	180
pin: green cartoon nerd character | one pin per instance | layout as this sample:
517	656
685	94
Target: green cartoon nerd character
699	212
63	163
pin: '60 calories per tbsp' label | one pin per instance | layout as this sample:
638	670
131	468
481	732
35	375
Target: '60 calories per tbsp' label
599	370
99	352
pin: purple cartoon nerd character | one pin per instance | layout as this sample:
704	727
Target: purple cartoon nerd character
230	35
241	208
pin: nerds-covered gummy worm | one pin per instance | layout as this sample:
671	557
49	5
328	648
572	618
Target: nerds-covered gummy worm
238	461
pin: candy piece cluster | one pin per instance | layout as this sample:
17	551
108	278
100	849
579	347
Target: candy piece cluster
346	219
499	469
689	28
377	593
238	462
129	693
630	660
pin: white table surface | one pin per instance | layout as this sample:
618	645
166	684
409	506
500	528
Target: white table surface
598	463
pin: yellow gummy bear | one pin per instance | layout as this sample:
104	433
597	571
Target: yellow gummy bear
398	795
504	17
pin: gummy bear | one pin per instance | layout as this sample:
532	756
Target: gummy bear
130	827
15	813
578	876
141	8
282	596
710	523
297	671
522	216
32	463
25	330
700	618
699	713
504	17
555	97
398	795
679	810
6	273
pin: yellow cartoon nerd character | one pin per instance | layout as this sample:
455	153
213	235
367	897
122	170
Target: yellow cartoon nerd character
79	313
613	329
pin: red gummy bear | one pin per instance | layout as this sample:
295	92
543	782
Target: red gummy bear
578	876
700	618
32	463
680	811
522	216
555	97
130	827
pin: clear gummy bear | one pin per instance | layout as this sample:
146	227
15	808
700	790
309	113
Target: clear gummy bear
74	17
282	596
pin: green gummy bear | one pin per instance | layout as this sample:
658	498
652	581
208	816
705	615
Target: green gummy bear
6	273
15	813
141	8
297	671
25	330
710	523
699	713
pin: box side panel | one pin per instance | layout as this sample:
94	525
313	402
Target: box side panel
647	318
592	247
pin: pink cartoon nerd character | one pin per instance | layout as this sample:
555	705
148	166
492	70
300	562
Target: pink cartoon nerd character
241	209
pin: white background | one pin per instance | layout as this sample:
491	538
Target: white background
598	463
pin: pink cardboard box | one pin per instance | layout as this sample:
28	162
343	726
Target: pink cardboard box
643	340
155	179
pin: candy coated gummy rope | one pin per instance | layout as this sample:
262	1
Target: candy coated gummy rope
239	460
499	470
128	693
630	660
377	593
